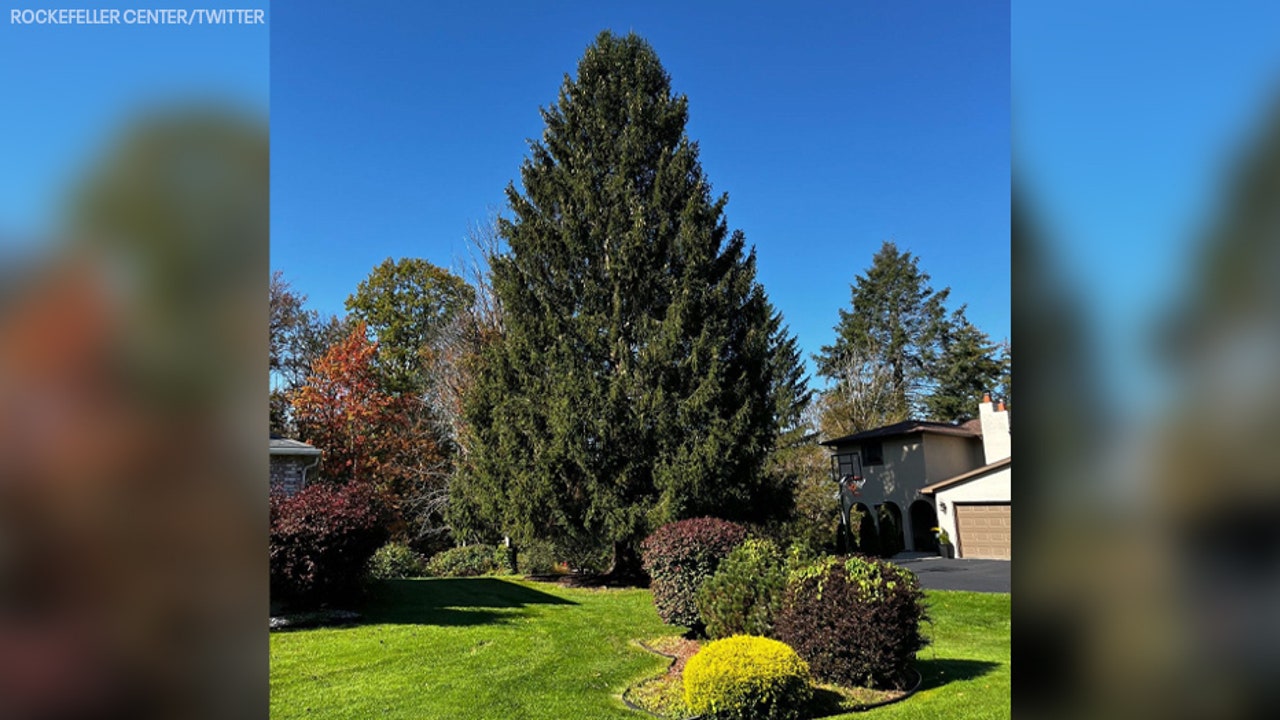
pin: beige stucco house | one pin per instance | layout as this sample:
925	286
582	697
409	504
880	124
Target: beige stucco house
919	475
976	507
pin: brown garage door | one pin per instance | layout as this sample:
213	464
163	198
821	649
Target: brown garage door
985	531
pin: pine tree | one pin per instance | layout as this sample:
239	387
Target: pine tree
899	320
969	366
637	379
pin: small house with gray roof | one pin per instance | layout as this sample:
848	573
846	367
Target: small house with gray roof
291	463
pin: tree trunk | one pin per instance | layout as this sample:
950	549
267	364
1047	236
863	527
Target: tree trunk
626	566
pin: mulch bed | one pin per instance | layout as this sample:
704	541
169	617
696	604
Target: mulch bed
663	696
317	618
592	580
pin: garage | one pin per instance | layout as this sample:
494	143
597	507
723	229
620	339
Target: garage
975	511
984	530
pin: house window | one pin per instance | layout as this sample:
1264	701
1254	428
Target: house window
873	453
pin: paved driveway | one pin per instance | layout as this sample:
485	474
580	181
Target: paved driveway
936	573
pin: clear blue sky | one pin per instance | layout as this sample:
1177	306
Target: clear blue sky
832	126
832	129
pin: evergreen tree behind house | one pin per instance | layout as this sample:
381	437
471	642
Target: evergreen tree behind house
898	355
643	371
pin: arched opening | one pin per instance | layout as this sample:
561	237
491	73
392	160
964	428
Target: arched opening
889	518
865	541
923	520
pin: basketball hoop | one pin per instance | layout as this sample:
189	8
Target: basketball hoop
854	483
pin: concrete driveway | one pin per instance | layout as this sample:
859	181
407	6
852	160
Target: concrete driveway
937	573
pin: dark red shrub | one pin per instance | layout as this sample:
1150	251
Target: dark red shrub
321	539
856	621
679	557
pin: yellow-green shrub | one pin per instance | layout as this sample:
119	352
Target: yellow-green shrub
747	678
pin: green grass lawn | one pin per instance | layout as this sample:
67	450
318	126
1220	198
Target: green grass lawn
503	648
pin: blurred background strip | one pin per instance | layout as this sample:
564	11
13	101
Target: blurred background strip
133	262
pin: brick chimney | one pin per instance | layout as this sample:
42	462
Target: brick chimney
996	444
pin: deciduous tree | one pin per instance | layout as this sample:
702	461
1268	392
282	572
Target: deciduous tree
367	435
299	336
407	304
863	395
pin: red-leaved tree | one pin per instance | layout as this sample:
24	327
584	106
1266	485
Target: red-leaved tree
342	411
367	435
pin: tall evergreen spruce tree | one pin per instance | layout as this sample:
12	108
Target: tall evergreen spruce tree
969	366
898	318
640	375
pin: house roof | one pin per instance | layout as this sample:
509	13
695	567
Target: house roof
963	477
285	446
973	429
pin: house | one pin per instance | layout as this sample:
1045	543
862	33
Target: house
975	507
910	477
290	461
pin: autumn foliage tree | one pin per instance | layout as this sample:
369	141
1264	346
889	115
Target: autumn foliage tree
367	435
341	409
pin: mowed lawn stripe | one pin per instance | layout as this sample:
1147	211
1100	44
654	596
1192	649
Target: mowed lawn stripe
484	648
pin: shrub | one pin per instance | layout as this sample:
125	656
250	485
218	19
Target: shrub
890	533
537	558
747	678
856	621
393	561
467	561
321	539
504	558
868	539
745	594
679	557
584	555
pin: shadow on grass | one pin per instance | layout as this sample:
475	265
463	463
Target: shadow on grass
451	601
941	671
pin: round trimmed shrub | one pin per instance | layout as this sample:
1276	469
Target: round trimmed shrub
679	557
393	561
321	538
855	620
747	678
745	594
466	561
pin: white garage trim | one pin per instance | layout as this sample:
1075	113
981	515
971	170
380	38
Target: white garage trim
989	485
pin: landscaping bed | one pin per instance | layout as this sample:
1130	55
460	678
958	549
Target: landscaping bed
663	695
